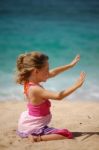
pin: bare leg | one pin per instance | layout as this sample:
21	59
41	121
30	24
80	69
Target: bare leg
52	137
48	137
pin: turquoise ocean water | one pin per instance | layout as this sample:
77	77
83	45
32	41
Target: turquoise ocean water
61	29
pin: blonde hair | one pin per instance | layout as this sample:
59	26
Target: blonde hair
27	62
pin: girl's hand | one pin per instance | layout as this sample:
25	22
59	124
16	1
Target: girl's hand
81	79
75	61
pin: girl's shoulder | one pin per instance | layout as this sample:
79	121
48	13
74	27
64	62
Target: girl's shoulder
31	86
34	94
35	88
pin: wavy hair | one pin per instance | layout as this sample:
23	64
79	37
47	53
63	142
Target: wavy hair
27	62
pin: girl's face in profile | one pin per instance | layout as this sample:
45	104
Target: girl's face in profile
43	73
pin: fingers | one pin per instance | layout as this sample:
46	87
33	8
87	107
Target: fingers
78	57
81	79
82	75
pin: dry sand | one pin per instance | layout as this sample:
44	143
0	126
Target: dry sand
82	118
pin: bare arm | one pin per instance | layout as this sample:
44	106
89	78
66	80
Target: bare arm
61	69
45	94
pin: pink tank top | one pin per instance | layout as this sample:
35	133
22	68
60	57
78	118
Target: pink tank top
42	109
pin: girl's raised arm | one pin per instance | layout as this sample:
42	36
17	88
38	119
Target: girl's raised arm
45	94
58	70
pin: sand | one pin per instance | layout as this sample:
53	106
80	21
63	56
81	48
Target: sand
80	117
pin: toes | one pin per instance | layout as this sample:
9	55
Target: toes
31	138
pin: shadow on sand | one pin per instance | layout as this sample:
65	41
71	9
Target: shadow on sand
87	134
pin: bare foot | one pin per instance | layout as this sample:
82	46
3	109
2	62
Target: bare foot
32	138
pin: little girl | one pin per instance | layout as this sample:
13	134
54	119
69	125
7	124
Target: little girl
33	68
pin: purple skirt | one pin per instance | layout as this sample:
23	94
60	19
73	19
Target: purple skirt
48	130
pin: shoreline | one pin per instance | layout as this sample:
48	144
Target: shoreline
77	116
